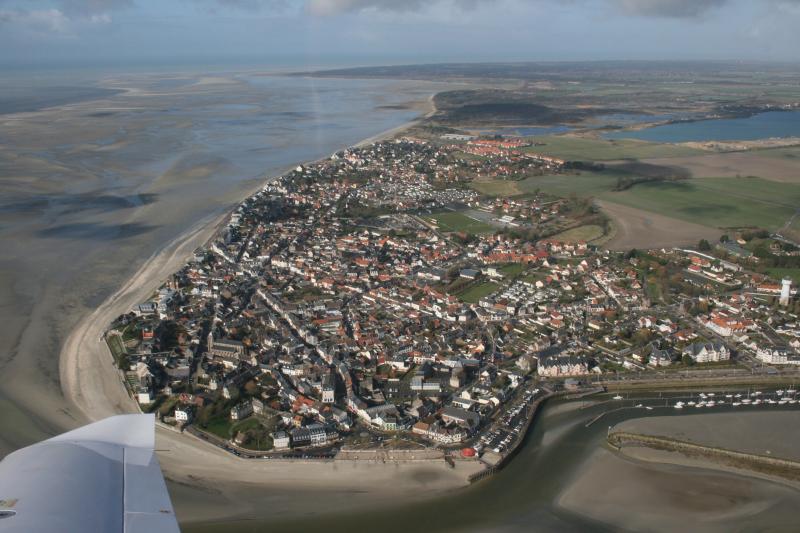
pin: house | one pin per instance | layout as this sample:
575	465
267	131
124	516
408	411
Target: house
184	414
776	356
469	273
460	417
659	358
707	352
281	440
554	366
312	435
241	411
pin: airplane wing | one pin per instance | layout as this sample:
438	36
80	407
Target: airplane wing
101	477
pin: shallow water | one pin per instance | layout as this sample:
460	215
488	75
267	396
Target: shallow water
523	496
760	126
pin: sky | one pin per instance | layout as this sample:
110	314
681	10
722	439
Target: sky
368	32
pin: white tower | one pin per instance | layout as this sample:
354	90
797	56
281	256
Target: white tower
786	291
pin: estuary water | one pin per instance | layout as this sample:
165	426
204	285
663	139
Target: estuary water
761	126
559	455
99	171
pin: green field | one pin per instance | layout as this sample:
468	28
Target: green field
503	188
476	292
451	221
780	273
584	184
788	152
716	202
512	269
220	425
116	346
582	233
587	149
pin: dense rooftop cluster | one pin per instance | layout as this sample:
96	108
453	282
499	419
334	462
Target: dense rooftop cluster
331	304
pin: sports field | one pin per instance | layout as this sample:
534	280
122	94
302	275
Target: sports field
476	292
452	221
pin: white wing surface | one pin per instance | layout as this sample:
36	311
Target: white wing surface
101	477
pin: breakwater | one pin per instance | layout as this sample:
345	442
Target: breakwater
763	464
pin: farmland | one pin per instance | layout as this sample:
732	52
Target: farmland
716	202
590	149
586	233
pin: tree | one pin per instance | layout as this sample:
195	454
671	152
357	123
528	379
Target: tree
724	238
704	245
688	361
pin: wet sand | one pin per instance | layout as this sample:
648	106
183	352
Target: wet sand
636	496
773	433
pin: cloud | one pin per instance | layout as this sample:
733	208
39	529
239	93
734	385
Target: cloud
40	20
335	7
668	8
87	8
64	17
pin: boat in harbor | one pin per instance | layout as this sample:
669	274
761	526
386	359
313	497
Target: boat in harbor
736	404
678	405
617	397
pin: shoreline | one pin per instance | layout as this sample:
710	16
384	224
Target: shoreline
93	385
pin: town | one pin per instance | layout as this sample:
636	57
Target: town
377	297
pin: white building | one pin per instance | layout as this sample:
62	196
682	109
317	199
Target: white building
776	356
280	440
183	415
786	291
707	352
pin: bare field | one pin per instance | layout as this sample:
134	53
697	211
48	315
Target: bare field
635	228
734	164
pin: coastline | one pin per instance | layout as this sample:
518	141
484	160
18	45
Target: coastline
91	382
